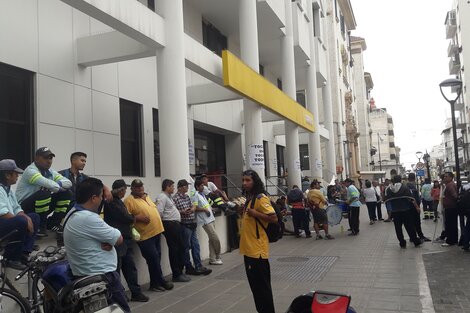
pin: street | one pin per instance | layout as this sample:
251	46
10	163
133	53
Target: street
371	267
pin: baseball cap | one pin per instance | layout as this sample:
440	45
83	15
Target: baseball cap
119	184
182	183
9	165
44	152
137	183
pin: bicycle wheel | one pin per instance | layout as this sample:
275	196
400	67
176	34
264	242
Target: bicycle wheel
13	302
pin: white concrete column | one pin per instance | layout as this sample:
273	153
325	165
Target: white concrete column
172	106
328	123
314	146
289	87
249	55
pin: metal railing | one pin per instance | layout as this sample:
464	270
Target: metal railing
226	182
276	185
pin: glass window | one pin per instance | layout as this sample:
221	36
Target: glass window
213	39
156	143
16	115
131	138
304	158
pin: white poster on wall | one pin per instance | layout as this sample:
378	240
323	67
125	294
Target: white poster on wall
192	155
297	164
318	164
256	157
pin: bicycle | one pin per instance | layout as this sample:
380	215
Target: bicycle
11	301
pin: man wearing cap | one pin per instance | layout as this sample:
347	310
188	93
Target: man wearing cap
116	215
171	218
354	206
189	230
42	190
13	218
149	225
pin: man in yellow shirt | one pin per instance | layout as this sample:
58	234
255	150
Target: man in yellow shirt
254	243
149	225
318	202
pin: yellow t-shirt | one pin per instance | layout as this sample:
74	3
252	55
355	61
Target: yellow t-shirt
250	244
137	206
316	197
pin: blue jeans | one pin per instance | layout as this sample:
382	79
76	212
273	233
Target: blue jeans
151	251
191	243
13	251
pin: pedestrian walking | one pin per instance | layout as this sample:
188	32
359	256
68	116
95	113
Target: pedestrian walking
370	196
388	204
254	243
416	213
352	196
402	203
378	193
427	198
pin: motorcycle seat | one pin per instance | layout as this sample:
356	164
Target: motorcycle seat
81	282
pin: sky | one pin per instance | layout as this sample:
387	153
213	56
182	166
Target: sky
407	58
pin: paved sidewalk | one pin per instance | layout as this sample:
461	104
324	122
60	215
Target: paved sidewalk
380	277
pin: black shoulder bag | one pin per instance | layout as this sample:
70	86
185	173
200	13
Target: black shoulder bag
273	230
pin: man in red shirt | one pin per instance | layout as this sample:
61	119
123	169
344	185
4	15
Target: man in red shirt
449	203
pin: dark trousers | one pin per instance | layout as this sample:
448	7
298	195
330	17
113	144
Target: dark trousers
371	206
417	222
127	266
452	231
43	202
116	290
22	241
259	277
435	204
407	219
300	221
174	240
466	235
353	217
379	210
151	252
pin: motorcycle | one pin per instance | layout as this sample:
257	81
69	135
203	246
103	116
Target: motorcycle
60	292
321	302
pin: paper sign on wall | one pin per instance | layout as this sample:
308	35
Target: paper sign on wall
297	164
192	155
256	156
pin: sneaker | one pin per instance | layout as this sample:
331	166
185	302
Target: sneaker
381	219
403	244
387	220
16	265
329	237
139	298
319	237
157	288
371	223
445	244
439	239
204	270
426	239
181	279
167	285
216	262
192	271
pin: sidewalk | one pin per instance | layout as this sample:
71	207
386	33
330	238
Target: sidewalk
371	267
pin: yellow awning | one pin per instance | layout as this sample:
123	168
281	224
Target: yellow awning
243	80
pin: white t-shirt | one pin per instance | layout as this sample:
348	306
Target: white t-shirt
370	194
211	187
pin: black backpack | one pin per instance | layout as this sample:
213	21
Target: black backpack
273	230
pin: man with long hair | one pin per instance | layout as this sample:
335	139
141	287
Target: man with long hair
254	243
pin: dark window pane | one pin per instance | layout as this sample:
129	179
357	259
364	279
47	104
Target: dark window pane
131	138
156	143
16	114
304	158
213	39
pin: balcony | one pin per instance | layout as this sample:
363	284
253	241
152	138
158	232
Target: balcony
452	49
454	65
451	24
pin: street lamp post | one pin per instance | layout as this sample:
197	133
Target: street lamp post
380	157
446	88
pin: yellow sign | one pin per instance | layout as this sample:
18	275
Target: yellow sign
243	80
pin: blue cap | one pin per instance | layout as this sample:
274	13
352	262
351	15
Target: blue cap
9	165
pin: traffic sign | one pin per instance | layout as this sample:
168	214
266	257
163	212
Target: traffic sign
420	166
420	173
